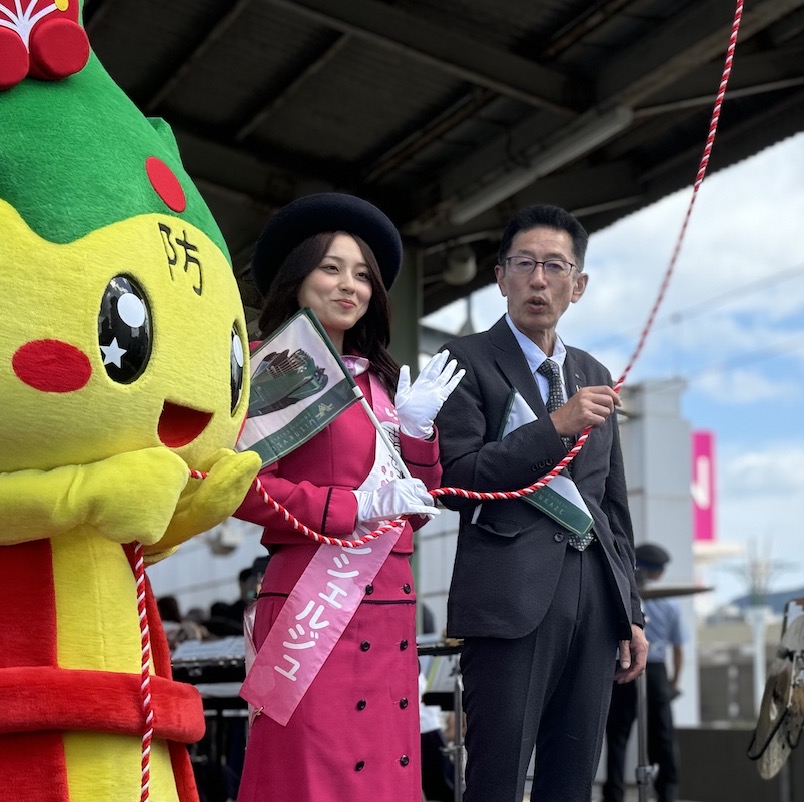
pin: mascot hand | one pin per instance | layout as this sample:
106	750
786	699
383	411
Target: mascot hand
133	495
206	502
126	497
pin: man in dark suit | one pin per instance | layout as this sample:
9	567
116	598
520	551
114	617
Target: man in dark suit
542	606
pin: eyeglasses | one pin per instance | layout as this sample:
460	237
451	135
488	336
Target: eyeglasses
524	266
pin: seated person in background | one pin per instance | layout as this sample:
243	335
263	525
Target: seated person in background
249	581
227	619
177	629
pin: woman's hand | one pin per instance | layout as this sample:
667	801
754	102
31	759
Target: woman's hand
394	499
419	403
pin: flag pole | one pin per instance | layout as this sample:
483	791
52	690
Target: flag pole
395	455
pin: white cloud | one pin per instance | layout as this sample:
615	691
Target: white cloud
760	505
743	386
775	470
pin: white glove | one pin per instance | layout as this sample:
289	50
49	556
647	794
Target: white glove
398	497
419	403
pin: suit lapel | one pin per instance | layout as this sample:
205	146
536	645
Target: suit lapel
513	364
574	377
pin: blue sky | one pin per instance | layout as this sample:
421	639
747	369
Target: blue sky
731	326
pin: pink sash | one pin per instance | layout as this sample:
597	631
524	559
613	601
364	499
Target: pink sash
324	599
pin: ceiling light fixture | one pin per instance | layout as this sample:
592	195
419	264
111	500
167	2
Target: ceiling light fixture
461	266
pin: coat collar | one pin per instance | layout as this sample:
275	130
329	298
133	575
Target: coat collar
514	366
574	377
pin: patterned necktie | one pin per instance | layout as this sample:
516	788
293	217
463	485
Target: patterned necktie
555	398
555	394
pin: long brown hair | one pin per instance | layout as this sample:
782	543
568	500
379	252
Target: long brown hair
369	337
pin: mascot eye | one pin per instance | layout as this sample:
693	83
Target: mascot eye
124	330
236	361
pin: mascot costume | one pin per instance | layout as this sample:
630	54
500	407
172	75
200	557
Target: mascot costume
122	342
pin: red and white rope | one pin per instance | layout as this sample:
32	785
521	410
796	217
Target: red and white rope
704	163
145	681
316	536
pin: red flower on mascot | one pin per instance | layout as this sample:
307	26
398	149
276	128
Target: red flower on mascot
40	38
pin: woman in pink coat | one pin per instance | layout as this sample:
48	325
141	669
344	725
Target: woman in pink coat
348	727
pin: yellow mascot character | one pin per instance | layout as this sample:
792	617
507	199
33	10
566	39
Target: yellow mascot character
122	343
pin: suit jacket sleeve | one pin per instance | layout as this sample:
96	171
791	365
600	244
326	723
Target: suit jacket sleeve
615	506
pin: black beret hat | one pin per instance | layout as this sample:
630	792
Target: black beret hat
649	555
326	211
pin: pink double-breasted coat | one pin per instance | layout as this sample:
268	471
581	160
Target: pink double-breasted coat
355	734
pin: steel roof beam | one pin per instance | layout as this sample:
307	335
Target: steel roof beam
657	60
579	187
217	31
292	88
458	55
783	116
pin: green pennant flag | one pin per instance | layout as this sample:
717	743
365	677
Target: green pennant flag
560	499
299	385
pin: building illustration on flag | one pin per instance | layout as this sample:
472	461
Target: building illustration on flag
282	379
299	386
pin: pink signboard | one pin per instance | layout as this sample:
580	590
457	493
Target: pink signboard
703	485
